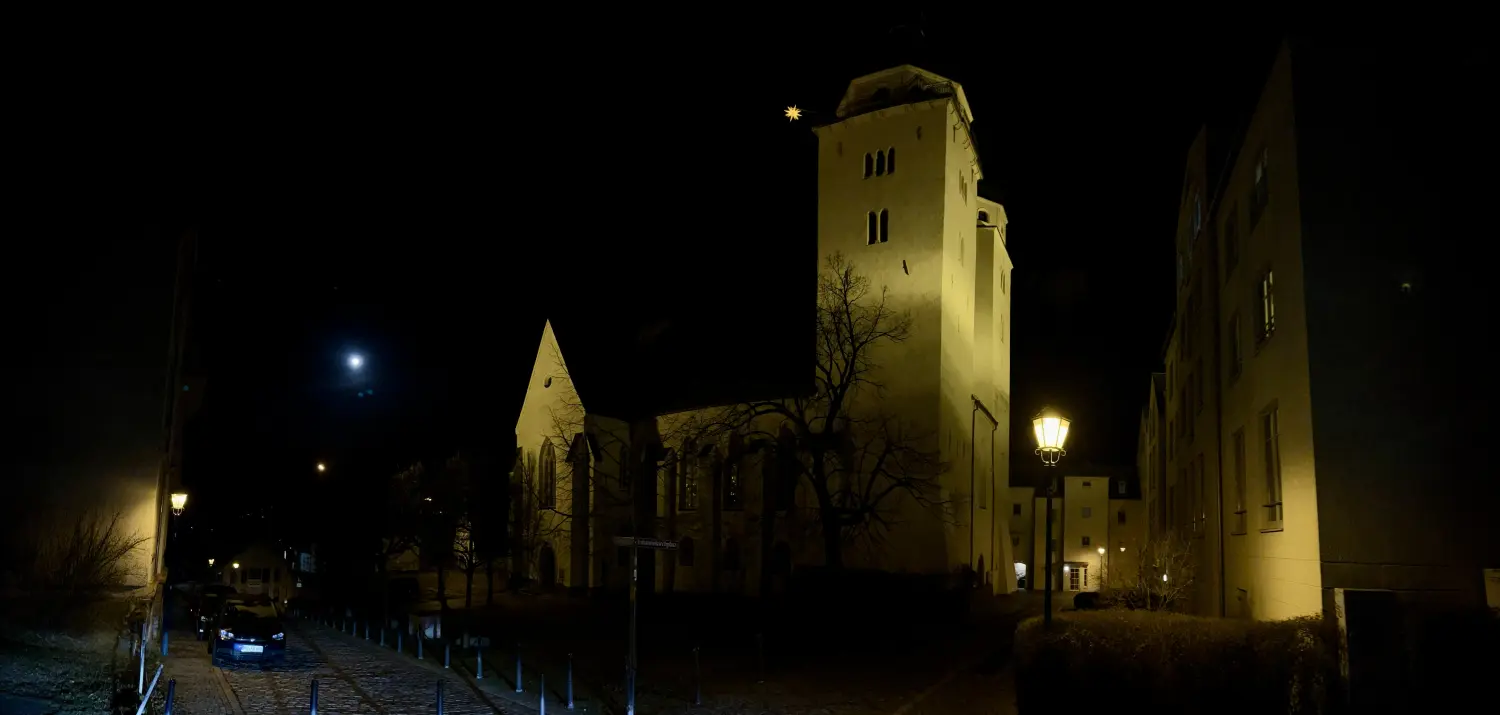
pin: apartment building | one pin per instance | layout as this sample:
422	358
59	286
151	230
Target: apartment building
1098	525
1318	403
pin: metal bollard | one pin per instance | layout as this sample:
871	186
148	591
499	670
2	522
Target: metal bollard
760	649
542	693
519	689
570	681
697	680
140	682
447	647
382	636
399	637
419	647
479	665
440	697
171	695
313	703
164	638
367	630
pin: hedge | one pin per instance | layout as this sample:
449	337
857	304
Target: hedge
1168	663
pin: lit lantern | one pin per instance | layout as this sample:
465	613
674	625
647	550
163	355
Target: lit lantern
179	501
1051	434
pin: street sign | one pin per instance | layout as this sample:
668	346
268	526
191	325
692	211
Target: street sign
642	543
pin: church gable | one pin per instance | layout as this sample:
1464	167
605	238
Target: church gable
549	395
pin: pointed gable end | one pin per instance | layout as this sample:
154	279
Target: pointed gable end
550	397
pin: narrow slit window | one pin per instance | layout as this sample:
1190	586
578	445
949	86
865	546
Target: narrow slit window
885	226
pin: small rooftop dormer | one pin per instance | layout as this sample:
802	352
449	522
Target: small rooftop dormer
897	86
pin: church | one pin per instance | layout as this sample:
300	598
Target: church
898	207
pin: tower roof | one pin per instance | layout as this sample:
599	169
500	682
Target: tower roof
896	86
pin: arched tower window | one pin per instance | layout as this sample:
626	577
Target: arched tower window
869	165
890	160
880	163
885	226
872	232
984	217
547	485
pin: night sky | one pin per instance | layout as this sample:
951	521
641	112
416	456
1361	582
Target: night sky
429	209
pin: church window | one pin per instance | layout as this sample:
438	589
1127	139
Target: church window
880	163
872	231
890	160
734	488
885	226
984	217
869	165
687	490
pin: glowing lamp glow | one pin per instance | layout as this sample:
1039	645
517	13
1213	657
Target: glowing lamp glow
235	564
322	467
210	562
792	113
1065	568
356	361
1163	578
1101	550
179	501
1051	430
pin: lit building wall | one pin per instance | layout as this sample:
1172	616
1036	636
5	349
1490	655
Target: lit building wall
1022	534
1272	567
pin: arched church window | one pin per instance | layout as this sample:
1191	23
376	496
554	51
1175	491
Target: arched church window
880	163
890	160
869	165
872	231
984	217
885	226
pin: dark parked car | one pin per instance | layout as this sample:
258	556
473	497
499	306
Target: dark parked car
206	606
248	629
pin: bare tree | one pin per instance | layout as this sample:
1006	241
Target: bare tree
858	460
467	556
1164	576
398	533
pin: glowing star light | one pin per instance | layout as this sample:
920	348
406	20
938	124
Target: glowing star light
793	113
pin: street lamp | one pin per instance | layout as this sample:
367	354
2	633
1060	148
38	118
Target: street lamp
179	501
235	564
210	562
1103	571
1051	430
322	467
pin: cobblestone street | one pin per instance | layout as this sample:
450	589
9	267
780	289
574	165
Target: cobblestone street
353	677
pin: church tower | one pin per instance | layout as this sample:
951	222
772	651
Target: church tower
898	175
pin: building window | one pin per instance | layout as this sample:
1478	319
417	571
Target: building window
872	229
1198	389
984	217
1270	426
1236	348
685	551
1197	214
869	166
963	186
890	160
1088	511
885	226
1086	541
1015	541
1260	195
1087	484
880	163
1266	308
687	488
548	486
1231	243
1004	280
1015	509
733	489
1239	482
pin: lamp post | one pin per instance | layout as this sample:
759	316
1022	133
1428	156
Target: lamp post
1103	571
1051	430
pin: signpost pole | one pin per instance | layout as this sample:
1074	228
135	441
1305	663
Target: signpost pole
636	544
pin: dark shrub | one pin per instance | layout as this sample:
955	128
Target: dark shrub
1169	663
1086	601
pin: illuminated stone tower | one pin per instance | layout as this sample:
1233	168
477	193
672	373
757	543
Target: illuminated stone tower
898	174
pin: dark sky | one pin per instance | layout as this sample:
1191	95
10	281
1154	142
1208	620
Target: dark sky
429	206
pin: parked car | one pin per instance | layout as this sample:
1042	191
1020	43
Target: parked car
206	604
248	628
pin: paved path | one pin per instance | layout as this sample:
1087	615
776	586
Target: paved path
353	677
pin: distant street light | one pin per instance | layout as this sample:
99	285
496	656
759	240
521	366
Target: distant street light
210	562
179	501
235	564
1051	433
322	467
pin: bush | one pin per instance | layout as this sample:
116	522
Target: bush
63	569
1169	663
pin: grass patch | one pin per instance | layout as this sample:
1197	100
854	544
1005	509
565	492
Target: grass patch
1172	663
